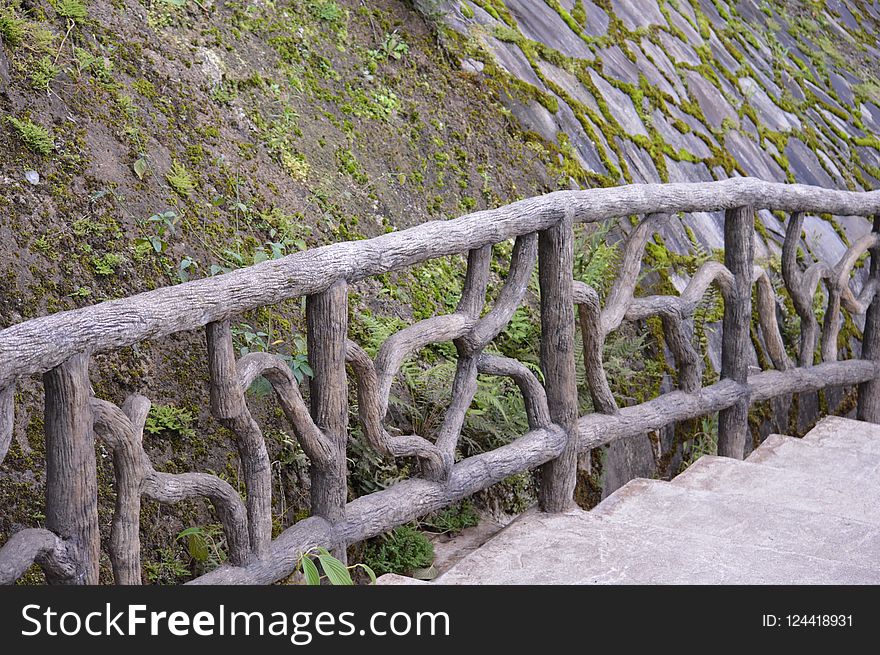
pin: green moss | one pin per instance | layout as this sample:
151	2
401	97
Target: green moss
12	28
869	141
349	165
36	137
578	13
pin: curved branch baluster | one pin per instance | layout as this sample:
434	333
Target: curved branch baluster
468	331
286	388
684	305
621	295
228	404
437	328
7	418
534	396
596	323
838	287
122	431
802	287
371	412
35	545
589	317
766	306
471	344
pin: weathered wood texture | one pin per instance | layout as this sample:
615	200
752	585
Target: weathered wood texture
542	227
37	345
327	330
739	254
36	545
122	432
401	503
7	418
556	259
71	478
868	408
229	405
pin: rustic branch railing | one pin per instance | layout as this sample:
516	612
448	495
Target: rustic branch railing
60	347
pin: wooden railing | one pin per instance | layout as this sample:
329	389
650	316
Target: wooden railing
60	346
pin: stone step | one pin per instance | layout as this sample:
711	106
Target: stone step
741	520
845	433
856	500
577	547
822	461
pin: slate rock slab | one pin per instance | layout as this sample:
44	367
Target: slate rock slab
539	22
713	105
638	13
805	165
620	104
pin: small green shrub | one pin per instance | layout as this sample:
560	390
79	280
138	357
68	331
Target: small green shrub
106	264
326	10
453	519
36	137
44	72
167	568
75	10
12	29
168	419
205	545
400	551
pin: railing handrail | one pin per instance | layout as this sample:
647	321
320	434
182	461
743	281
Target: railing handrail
39	344
61	346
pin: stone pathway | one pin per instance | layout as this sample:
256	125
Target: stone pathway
797	511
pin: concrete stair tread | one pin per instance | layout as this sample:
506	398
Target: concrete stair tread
817	459
741	520
845	433
857	500
577	547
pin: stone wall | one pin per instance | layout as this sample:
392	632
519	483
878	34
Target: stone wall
640	91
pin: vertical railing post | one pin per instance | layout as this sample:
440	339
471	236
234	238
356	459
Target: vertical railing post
739	254
327	330
71	478
555	274
868	407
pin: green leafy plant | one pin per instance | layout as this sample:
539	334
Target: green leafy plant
402	550
164	226
335	572
43	73
248	339
36	137
75	10
393	46
168	568
205	546
186	268
140	167
170	420
326	10
704	442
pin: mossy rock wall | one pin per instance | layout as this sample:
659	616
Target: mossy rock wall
645	91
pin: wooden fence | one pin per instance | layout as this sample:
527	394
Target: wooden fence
60	346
